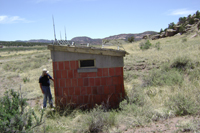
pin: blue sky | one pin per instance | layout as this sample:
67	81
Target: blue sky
32	19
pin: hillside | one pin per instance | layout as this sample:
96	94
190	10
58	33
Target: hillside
137	37
161	82
185	25
85	40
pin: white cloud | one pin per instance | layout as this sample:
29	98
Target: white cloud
182	12
12	19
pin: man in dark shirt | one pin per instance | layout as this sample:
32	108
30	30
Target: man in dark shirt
45	87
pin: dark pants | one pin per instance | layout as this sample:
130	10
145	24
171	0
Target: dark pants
47	94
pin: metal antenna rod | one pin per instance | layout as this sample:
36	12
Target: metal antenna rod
54	30
65	35
60	36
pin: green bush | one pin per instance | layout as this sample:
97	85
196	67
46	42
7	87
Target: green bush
145	45
197	14
182	63
182	29
194	75
171	25
182	105
161	30
191	20
131	39
14	116
97	120
136	96
157	46
184	40
135	115
182	20
162	77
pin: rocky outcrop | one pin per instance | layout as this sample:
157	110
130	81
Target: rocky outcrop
185	25
154	37
170	32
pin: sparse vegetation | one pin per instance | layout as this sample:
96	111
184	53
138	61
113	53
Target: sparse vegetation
160	83
161	30
15	43
131	39
182	104
157	46
183	22
145	45
171	25
163	77
182	29
15	116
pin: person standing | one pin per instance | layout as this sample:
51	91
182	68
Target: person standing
44	82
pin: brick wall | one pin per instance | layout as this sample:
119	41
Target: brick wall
87	88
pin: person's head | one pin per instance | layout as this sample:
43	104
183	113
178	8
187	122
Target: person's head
44	72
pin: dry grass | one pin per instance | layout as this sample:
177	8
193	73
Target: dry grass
24	68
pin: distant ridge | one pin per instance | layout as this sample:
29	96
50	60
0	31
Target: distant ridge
85	39
137	36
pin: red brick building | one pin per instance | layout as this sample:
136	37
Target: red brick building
86	76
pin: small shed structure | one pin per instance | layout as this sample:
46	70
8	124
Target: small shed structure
85	76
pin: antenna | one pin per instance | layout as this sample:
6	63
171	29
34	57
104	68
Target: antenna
65	35
54	30
60	36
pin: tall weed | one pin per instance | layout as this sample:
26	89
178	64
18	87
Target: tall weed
161	77
145	45
194	75
182	104
182	63
136	110
96	120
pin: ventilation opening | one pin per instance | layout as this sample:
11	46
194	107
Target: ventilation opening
87	63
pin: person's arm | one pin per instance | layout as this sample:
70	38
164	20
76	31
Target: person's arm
41	87
50	77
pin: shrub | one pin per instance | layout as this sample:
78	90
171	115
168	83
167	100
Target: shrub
198	14
184	40
26	79
145	45
171	25
192	126
194	75
14	116
136	96
182	105
182	29
182	20
97	120
161	30
182	63
191	21
157	46
131	39
161	77
135	115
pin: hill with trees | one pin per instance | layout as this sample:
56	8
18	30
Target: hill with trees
188	24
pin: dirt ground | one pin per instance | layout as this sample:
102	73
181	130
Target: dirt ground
171	125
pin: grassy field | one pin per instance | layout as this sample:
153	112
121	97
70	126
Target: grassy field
161	83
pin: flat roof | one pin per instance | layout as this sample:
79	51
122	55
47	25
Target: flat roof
87	50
